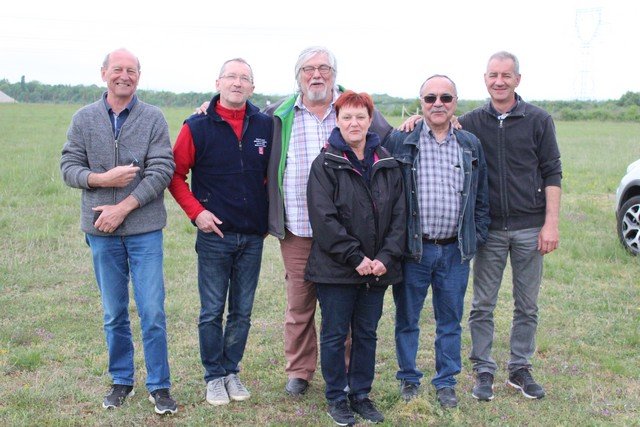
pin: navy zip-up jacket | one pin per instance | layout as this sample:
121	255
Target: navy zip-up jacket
229	176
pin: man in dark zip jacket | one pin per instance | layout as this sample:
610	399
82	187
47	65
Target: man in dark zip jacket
227	152
519	140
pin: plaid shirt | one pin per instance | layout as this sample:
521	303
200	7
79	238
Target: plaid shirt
440	182
308	136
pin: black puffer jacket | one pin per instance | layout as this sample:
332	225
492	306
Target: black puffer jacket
351	220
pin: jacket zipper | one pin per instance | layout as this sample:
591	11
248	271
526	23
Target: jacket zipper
503	168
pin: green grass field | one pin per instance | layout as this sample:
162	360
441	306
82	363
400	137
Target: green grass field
53	355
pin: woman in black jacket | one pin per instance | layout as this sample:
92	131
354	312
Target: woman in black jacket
356	208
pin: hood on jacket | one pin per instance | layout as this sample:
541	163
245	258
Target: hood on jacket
337	141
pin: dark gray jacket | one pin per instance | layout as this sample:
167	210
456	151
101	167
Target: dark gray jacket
522	159
91	147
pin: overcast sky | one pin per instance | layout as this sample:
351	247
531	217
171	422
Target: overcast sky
574	49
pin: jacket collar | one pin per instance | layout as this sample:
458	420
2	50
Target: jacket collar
517	110
211	109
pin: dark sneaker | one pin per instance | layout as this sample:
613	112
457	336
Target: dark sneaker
163	401
447	397
366	409
483	388
117	396
523	381
409	391
340	413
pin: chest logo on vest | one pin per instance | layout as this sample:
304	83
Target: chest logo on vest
261	143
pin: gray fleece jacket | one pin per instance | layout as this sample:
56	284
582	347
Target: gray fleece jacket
91	147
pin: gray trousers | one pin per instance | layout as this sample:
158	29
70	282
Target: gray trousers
488	268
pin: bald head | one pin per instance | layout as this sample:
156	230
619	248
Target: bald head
121	51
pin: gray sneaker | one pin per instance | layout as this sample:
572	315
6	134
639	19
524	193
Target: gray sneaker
237	391
217	392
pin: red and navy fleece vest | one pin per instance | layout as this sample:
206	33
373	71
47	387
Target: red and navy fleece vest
229	175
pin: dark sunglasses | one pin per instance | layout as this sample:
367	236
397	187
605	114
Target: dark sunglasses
445	98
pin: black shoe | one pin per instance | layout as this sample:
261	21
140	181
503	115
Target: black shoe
366	409
523	381
341	413
296	386
447	397
117	396
409	391
163	401
483	389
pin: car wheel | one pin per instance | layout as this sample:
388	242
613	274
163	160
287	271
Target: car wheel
629	225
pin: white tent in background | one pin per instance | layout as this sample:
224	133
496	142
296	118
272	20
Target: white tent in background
6	99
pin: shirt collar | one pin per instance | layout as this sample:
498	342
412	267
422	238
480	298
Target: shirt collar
129	106
426	132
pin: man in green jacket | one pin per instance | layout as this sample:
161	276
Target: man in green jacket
302	124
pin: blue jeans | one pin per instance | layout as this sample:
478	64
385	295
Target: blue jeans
229	265
443	269
114	259
526	265
344	307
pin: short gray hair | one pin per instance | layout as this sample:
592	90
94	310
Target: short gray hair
502	55
242	61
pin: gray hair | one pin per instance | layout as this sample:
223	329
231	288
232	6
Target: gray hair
105	62
502	55
240	60
455	89
312	51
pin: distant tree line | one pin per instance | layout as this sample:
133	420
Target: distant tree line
627	108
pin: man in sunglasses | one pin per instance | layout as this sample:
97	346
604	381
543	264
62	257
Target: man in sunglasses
118	152
445	178
524	192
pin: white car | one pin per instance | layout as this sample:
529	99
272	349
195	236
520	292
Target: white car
628	208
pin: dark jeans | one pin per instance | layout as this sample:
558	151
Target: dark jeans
442	269
226	266
344	307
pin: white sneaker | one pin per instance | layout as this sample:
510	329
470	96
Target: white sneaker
217	392
235	388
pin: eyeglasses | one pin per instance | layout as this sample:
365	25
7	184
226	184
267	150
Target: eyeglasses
445	98
233	77
323	69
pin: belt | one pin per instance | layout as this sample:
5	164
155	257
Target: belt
447	241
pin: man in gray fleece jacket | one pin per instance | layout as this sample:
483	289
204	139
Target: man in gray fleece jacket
118	151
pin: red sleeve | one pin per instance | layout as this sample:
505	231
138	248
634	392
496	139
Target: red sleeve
184	154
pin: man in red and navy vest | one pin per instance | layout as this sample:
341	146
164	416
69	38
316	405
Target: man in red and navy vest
227	151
